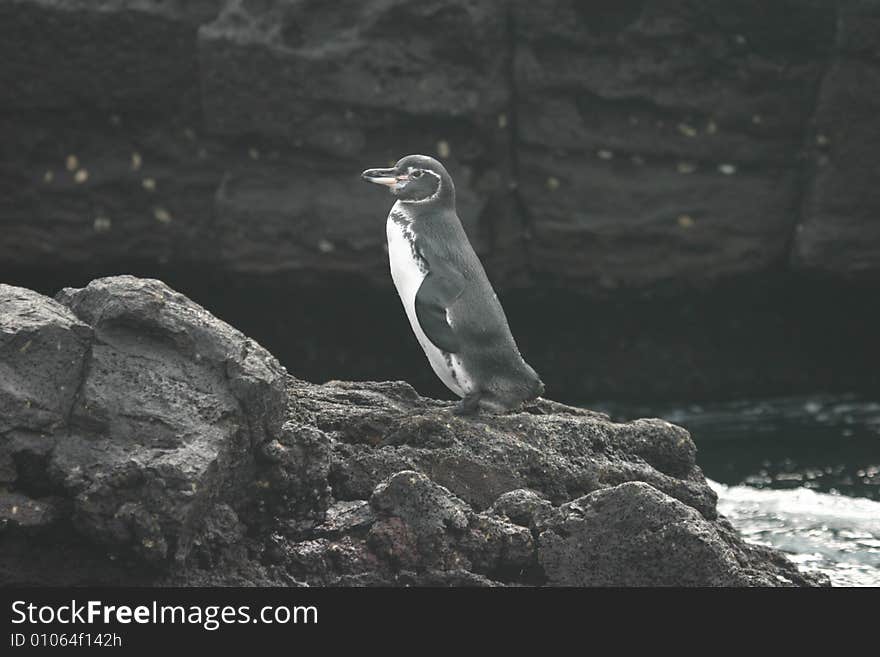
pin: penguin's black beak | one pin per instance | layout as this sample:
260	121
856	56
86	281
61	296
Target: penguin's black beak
387	177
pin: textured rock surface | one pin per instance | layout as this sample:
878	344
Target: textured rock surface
840	231
146	442
612	145
676	122
131	411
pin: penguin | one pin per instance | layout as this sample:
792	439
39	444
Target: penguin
450	303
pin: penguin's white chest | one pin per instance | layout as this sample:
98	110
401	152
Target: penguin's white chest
408	272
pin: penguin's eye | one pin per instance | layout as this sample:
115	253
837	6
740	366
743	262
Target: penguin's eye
416	174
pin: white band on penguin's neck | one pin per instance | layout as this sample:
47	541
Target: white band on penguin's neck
432	196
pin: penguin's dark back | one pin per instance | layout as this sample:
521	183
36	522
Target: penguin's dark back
477	314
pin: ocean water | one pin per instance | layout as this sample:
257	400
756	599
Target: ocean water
801	474
833	534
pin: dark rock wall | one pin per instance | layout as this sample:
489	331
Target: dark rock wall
606	155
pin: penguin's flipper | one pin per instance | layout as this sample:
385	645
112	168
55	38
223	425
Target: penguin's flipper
438	291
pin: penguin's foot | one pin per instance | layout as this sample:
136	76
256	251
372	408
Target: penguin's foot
469	405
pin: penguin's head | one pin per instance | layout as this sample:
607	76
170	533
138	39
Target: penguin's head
415	179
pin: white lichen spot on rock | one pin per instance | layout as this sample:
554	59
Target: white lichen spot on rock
822	140
711	127
687	130
686	167
48	177
162	215
604	154
326	246
72	163
253	153
149	184
81	176
685	220
552	183
136	161
102	224
727	169
502	121
443	149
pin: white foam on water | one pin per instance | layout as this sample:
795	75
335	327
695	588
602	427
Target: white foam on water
833	534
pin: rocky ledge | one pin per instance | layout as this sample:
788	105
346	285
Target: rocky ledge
144	441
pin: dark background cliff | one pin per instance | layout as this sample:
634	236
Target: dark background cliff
673	199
